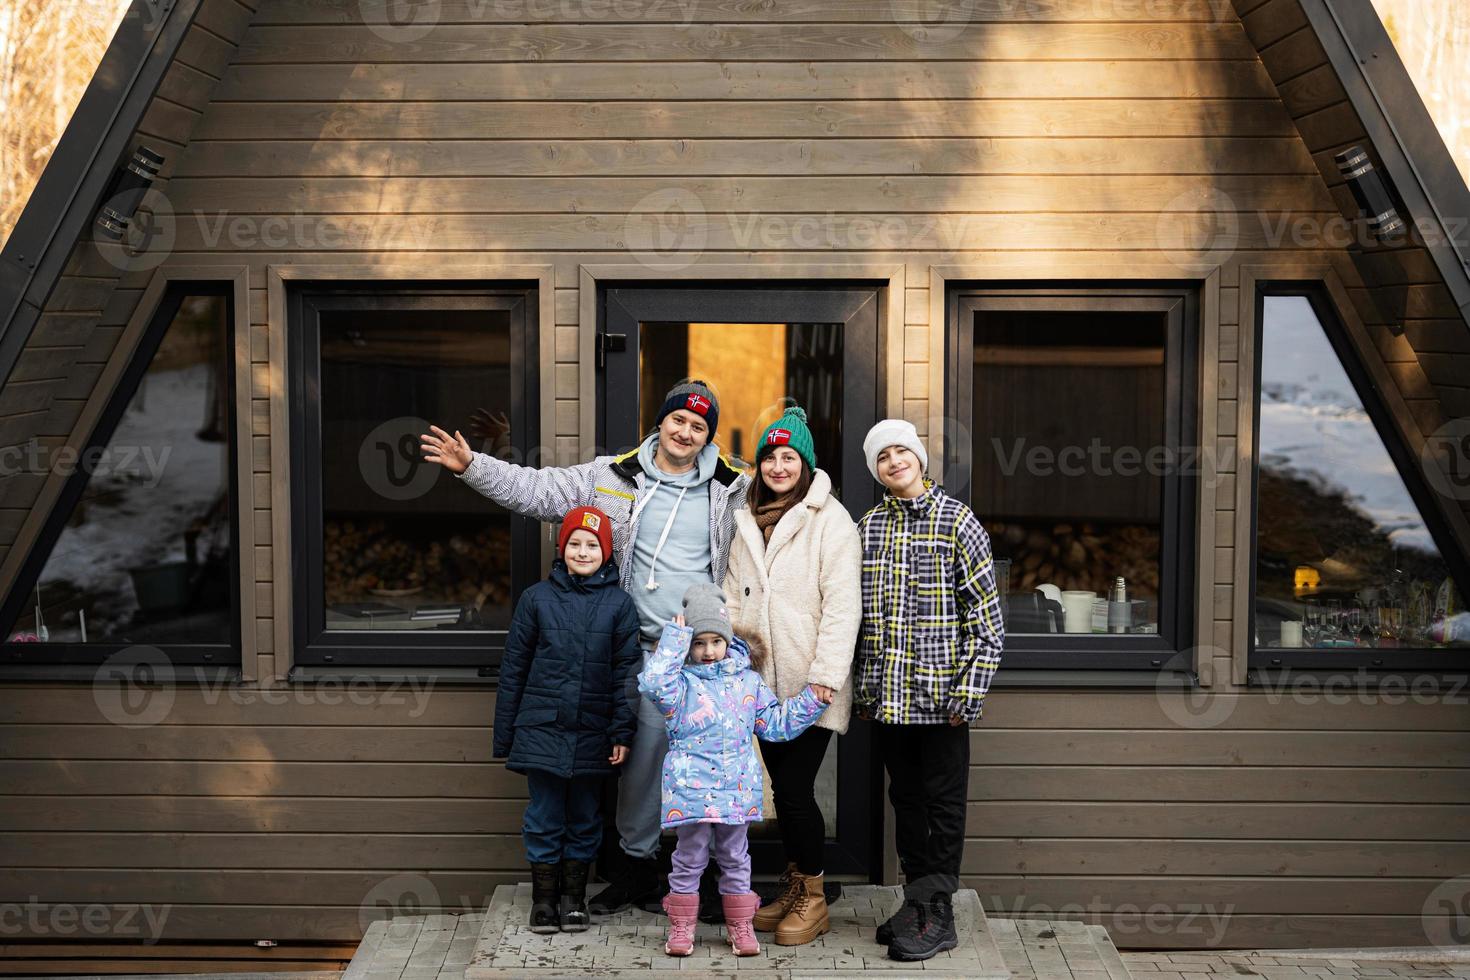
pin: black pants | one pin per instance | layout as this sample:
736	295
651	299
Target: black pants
793	767
928	774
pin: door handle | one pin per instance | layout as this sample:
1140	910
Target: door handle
616	342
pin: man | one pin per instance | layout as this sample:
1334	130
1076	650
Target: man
672	503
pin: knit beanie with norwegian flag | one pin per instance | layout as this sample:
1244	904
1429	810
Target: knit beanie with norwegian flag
692	396
789	430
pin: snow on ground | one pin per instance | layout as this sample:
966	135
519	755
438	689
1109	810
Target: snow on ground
159	476
1312	421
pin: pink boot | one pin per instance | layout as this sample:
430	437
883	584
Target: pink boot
683	913
739	929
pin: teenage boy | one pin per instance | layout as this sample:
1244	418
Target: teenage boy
929	645
672	503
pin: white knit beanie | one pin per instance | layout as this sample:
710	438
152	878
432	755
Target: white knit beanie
892	432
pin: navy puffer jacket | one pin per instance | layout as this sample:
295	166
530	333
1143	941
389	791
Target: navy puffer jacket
572	646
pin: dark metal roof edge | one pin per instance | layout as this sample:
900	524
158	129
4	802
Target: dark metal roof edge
96	139
1409	144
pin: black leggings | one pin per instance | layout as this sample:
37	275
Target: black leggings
793	767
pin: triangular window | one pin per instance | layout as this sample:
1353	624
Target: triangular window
1345	557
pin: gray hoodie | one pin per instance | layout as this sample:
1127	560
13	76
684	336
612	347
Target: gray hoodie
672	548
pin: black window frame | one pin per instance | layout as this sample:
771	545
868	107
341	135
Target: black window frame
175	654
1171	649
1446	660
313	645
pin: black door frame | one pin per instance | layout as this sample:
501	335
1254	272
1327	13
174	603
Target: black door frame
858	847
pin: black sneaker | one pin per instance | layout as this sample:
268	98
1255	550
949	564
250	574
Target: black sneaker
545	888
932	933
900	921
635	883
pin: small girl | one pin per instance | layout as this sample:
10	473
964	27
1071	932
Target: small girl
562	714
713	703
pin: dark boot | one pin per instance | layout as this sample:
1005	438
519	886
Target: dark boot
711	902
933	931
653	885
574	917
545	884
901	920
636	881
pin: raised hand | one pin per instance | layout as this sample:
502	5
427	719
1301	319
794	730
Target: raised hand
484	425
451	452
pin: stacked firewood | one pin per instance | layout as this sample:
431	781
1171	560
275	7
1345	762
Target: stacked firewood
1085	556
369	557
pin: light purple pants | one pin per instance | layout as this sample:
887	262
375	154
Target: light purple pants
692	854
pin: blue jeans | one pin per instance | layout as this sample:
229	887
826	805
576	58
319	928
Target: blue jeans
562	822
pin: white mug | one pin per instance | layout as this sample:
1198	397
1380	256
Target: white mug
1291	633
1078	609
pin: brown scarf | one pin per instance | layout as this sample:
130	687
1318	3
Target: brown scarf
767	516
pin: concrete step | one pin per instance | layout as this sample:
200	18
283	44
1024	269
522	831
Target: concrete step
436	946
631	943
1058	948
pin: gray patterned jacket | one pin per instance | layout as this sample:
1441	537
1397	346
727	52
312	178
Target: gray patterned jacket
614	484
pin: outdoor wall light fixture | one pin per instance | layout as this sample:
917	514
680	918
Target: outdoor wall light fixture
126	190
1371	191
1375	198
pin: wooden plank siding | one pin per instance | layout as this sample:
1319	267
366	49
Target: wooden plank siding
1055	139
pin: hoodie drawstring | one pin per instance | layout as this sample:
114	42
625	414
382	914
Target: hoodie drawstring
651	584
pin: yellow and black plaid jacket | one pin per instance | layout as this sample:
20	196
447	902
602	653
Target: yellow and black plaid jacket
932	633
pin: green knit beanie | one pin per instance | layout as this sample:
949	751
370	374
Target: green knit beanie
789	430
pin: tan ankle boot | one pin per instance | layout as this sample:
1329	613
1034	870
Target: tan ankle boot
808	916
770	916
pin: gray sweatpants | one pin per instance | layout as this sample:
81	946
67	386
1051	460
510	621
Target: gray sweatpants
640	788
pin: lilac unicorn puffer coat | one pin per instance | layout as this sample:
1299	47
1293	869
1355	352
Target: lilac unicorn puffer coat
711	773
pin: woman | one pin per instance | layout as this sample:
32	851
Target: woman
795	591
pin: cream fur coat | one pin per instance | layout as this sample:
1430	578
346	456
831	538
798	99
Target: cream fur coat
798	599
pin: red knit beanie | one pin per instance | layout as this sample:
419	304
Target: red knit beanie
586	519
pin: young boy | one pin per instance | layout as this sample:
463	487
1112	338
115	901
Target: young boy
562	715
700	679
930	643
